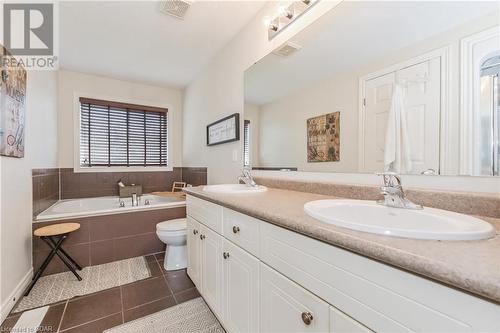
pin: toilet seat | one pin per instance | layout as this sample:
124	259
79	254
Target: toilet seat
172	226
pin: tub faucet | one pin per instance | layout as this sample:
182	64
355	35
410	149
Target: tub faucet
135	200
246	177
393	193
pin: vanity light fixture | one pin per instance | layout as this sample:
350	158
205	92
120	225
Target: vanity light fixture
286	15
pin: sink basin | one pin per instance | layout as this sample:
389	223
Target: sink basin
234	189
428	223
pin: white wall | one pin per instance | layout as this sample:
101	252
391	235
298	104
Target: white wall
218	92
283	125
16	185
71	83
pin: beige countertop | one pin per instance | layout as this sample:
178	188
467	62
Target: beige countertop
473	266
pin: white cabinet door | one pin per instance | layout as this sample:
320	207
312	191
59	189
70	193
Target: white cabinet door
287	307
211	269
240	290
342	323
194	251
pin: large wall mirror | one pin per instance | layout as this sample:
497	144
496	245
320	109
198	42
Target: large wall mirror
409	87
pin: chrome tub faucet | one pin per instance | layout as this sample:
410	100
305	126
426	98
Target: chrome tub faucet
393	193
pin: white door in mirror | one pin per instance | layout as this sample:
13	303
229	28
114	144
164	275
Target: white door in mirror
429	223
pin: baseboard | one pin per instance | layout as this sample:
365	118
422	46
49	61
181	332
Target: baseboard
14	296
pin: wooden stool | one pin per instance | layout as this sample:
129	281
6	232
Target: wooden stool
178	186
54	235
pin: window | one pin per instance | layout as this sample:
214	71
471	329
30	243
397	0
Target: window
246	143
118	134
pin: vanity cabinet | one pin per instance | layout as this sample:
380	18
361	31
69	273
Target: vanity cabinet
240	291
258	277
287	307
194	251
211	268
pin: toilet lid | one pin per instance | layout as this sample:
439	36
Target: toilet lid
172	225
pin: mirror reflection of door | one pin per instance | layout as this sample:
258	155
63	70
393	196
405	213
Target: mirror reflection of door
421	84
489	110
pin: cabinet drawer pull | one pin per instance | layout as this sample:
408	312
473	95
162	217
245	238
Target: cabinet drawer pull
236	229
202	237
225	255
307	318
195	232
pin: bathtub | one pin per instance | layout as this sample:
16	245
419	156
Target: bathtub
73	208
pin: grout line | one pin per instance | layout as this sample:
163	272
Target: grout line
62	316
165	278
150	302
123	310
89	322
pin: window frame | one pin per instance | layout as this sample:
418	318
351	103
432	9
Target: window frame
248	141
76	135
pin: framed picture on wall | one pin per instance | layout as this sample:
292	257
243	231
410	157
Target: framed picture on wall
12	107
323	138
224	130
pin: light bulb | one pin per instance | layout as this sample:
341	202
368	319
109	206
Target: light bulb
283	11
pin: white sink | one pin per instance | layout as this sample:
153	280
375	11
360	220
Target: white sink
428	223
234	189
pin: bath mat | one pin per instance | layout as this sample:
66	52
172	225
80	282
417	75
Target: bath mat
192	316
62	286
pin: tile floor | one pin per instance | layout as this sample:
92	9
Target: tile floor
105	309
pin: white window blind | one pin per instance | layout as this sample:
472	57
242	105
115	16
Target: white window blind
121	134
246	143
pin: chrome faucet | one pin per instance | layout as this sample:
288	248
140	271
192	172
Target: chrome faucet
135	200
246	177
394	195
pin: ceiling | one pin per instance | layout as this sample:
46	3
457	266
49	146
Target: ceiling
132	40
352	35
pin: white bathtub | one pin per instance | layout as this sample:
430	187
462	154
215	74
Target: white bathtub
65	209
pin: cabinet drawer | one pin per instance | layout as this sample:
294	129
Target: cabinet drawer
287	307
205	212
342	323
242	230
381	297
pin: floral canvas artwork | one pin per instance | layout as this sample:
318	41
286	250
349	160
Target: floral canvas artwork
323	138
12	109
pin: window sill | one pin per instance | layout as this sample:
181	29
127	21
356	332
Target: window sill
78	169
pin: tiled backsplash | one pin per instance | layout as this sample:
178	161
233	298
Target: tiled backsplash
50	185
45	189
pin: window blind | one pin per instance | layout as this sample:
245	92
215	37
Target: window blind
121	134
246	143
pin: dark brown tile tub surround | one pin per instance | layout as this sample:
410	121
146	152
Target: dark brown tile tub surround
461	202
102	239
194	176
45	189
98	184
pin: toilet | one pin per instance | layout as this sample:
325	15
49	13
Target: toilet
173	233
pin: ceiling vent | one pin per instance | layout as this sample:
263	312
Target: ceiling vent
287	49
175	8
